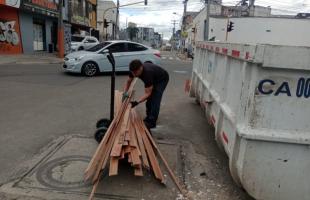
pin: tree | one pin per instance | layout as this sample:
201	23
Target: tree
132	32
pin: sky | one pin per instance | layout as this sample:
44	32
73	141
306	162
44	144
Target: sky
160	14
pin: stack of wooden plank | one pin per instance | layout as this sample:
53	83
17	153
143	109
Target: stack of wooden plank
127	138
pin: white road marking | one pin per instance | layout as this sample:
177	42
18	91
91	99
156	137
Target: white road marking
180	72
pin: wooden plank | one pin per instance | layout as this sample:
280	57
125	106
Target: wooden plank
94	190
138	171
128	134
174	178
109	145
140	142
154	163
121	139
113	170
123	154
129	158
100	154
117	147
127	149
96	164
133	140
135	157
118	102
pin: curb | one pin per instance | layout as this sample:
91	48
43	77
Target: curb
30	62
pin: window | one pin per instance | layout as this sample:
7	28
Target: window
98	47
77	39
119	47
136	47
91	41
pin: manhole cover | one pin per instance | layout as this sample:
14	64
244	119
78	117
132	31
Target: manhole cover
61	173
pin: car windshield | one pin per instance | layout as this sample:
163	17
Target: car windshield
77	39
98	46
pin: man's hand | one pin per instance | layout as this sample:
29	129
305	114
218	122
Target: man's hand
134	104
125	96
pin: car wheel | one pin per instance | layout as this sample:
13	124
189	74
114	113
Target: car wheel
80	48
90	69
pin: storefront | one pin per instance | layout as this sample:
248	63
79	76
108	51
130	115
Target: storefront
38	24
10	42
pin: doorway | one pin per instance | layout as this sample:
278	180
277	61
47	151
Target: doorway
38	37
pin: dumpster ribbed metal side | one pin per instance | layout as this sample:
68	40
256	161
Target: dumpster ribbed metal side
257	98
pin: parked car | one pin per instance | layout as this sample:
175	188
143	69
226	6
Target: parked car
94	60
79	42
167	47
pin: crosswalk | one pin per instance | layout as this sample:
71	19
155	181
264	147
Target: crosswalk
170	58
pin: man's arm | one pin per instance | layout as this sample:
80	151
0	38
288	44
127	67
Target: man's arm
147	94
127	84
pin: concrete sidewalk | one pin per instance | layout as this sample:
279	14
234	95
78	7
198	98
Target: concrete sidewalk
37	58
57	173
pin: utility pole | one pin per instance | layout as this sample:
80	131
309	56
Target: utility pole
251	3
173	33
174	22
207	24
117	15
60	41
183	25
118	6
185	7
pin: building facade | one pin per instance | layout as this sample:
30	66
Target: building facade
38	24
108	9
251	25
82	16
30	26
145	35
10	33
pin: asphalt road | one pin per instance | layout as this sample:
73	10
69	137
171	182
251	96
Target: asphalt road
40	103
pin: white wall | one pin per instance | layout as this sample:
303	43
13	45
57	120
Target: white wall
254	30
110	15
277	31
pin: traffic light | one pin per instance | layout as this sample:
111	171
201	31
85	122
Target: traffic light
230	26
105	23
145	2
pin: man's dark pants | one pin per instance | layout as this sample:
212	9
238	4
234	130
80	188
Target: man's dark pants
153	103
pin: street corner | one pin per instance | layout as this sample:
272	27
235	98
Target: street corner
58	173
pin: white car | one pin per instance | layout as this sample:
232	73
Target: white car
79	43
94	60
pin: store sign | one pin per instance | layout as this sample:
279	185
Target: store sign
45	4
12	3
44	7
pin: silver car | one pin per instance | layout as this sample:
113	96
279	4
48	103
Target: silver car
94	60
79	43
